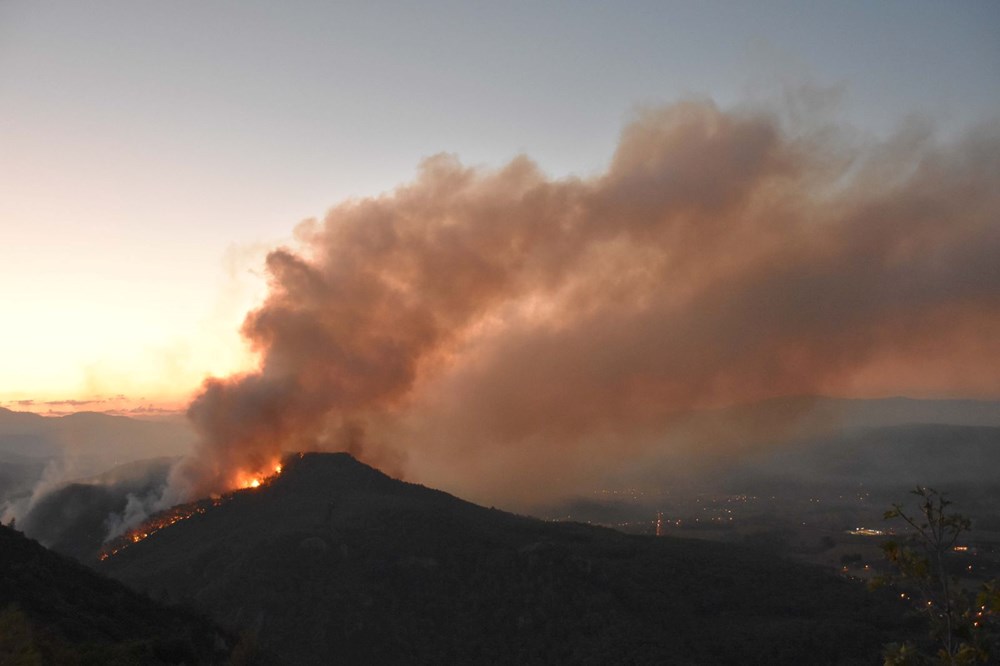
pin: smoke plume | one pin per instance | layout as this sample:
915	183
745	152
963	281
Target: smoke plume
486	330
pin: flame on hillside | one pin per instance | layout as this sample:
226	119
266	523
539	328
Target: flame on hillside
258	478
164	519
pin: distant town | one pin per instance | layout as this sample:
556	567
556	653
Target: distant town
842	531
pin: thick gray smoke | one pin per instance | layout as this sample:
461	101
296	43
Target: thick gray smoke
493	330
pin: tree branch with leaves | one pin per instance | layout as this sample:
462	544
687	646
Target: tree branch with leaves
962	623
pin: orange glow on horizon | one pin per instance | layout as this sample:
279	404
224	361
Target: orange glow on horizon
143	406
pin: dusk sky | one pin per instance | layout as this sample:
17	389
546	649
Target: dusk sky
153	153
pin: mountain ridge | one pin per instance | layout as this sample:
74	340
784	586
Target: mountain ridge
54	610
335	561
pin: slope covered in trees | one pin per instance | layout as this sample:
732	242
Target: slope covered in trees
335	562
54	610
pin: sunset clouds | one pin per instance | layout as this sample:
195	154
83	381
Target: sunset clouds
479	322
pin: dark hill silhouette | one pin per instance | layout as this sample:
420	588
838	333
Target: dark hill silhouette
73	519
56	611
334	562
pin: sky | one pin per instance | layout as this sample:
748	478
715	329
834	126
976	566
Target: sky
151	154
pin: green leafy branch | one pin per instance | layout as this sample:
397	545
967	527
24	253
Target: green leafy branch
962	626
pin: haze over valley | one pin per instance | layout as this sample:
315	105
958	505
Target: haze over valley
560	333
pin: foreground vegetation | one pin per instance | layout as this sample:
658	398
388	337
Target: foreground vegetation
56	611
964	626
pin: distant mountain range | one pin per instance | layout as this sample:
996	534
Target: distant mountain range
819	412
904	455
334	562
743	428
892	440
41	453
91	435
122	439
792	443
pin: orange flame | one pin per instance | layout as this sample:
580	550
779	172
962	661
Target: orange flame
152	526
184	511
257	478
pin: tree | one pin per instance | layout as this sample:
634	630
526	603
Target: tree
962	622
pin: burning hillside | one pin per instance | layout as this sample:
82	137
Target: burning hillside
173	515
156	523
334	562
257	479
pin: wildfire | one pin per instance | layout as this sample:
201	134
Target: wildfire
258	478
154	525
183	512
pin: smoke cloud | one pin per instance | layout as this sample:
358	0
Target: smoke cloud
491	330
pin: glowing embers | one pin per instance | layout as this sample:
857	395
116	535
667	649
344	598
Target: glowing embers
185	511
155	524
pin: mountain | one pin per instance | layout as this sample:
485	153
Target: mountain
837	479
700	448
814	413
73	519
109	439
39	454
56	611
938	455
334	562
18	475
